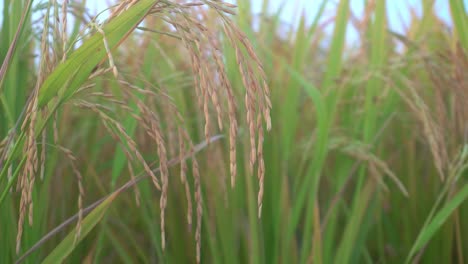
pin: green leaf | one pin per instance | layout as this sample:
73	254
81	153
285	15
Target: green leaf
88	56
460	21
66	247
428	231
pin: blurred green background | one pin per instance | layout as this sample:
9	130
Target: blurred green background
366	160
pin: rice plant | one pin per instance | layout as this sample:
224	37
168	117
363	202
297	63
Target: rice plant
142	134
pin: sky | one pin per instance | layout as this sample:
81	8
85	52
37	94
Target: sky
398	11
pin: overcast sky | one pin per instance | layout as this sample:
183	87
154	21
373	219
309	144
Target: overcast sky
398	11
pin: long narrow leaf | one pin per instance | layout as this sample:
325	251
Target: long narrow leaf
67	246
439	219
88	56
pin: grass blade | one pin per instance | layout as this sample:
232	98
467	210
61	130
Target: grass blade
66	247
439	219
88	56
460	21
